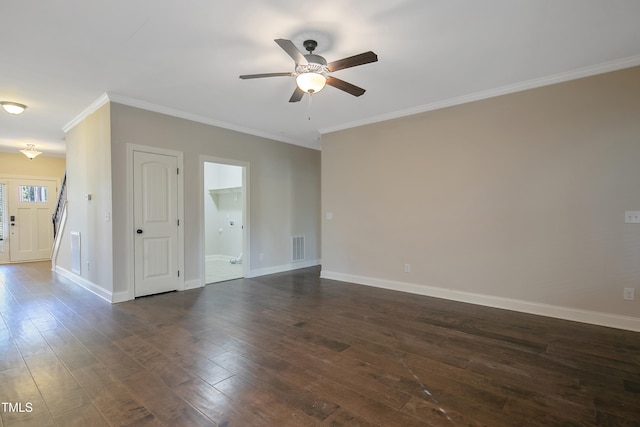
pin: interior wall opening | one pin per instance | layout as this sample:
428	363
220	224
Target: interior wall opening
224	207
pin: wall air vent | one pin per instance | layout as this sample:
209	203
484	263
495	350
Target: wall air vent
297	248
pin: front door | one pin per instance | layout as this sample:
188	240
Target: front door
31	203
155	205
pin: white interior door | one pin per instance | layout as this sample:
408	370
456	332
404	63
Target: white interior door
31	203
155	206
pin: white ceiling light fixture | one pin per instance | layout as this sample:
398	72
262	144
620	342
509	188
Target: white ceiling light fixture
311	81
13	107
31	151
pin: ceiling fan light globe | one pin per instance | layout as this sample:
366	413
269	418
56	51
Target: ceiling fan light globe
311	82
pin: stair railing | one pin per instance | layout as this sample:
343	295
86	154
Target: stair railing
62	197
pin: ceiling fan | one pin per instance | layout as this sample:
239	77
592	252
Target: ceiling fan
312	71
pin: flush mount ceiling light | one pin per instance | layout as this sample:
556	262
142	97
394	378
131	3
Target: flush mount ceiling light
13	107
31	151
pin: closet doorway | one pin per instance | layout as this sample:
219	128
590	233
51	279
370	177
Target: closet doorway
224	213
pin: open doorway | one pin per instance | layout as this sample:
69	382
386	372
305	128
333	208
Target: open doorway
224	221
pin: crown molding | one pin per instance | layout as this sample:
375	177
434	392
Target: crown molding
602	68
579	73
131	102
92	108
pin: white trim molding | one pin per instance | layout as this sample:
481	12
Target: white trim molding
282	268
559	312
193	284
92	108
121	296
491	93
131	102
148	106
84	283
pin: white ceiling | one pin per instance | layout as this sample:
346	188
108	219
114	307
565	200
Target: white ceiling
184	58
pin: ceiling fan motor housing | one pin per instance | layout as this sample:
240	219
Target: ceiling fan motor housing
316	59
317	64
310	45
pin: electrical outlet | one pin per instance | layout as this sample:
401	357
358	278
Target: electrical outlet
630	294
632	217
407	268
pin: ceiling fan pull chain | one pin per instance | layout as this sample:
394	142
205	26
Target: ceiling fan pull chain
309	105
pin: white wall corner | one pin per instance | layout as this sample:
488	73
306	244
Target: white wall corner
193	284
92	108
558	312
121	296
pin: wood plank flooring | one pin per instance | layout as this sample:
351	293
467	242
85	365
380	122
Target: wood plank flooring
294	350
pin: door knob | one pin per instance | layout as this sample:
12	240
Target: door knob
139	231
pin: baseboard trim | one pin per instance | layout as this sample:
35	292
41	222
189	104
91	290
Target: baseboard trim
193	284
121	296
84	283
559	312
282	268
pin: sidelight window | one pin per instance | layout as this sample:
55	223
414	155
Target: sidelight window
2	211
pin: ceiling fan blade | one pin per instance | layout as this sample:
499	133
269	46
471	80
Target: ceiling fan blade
292	51
347	87
352	61
297	95
257	76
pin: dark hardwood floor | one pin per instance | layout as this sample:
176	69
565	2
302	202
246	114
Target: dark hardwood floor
294	350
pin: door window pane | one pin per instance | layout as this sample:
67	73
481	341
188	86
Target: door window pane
33	193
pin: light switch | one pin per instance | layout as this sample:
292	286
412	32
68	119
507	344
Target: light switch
329	216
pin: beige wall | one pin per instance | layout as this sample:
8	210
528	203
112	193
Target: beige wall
284	188
518	198
17	165
284	193
89	172
41	166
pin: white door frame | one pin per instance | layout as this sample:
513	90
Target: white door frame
246	259
35	252
5	178
131	148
